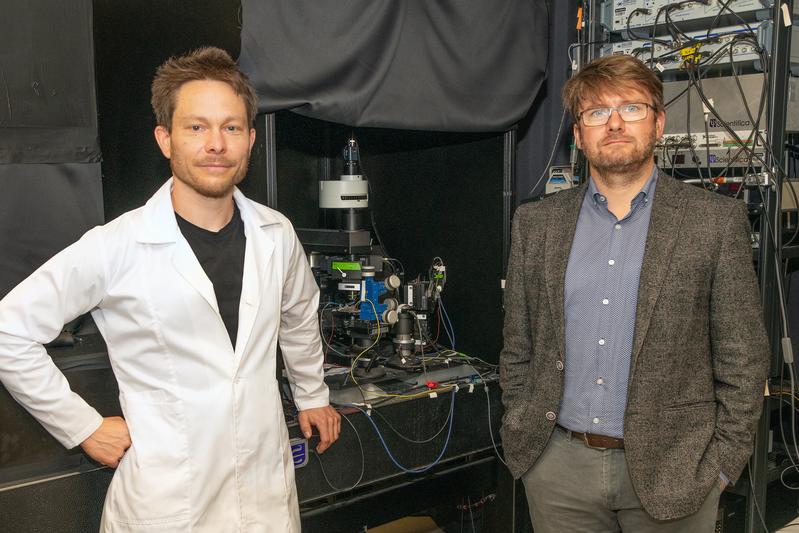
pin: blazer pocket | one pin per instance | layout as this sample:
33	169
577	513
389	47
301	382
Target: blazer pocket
691	405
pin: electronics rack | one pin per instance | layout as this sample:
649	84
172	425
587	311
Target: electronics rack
728	68
714	76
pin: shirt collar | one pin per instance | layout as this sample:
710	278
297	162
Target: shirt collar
643	197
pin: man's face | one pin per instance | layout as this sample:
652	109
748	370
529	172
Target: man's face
210	140
619	147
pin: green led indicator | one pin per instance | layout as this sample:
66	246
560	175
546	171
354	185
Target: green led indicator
345	265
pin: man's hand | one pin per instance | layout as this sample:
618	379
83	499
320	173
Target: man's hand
327	421
108	444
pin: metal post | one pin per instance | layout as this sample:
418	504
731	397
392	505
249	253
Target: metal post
769	246
508	188
594	34
263	163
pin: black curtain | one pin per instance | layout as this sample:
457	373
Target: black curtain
47	104
49	153
448	65
44	208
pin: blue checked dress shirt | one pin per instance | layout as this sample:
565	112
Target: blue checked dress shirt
600	296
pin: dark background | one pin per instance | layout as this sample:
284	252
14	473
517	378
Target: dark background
433	193
89	68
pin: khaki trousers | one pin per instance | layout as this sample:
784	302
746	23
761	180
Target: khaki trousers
574	488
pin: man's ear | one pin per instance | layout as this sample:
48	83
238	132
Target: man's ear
164	140
577	140
660	123
252	138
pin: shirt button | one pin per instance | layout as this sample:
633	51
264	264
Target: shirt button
595	420
601	198
605	301
617	226
550	415
611	262
600	381
601	342
559	365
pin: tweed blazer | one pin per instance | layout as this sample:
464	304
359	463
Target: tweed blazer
700	354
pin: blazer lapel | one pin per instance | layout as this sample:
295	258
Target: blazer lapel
664	226
559	236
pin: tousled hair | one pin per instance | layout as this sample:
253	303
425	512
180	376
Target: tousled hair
207	63
611	74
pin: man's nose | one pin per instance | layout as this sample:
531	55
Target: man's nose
615	122
215	143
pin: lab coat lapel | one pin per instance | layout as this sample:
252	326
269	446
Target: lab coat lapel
257	259
187	265
160	227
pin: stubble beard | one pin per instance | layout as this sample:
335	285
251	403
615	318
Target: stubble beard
208	187
622	163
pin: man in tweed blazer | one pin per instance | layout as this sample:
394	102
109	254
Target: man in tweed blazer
634	351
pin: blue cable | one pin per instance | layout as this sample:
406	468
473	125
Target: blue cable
420	469
450	335
444	323
450	330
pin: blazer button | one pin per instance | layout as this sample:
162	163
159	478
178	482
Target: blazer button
550	415
559	365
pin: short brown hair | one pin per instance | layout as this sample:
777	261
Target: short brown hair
207	63
612	73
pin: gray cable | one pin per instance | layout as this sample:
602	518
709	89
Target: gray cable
408	439
363	462
551	153
490	429
752	490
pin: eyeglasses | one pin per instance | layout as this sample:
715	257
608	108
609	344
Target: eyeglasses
599	116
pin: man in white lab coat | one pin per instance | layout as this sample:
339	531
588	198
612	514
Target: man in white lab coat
191	293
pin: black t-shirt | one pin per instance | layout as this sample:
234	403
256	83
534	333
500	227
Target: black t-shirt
221	254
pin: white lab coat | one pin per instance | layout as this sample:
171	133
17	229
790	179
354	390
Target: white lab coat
210	446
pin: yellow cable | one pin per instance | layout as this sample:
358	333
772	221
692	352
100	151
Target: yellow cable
377	339
781	393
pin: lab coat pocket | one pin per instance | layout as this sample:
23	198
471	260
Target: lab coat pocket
154	476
